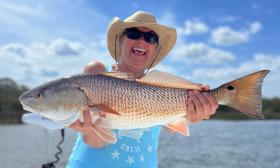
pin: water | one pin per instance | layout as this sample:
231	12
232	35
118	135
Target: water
224	144
212	144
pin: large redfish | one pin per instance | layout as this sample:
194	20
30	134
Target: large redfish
156	99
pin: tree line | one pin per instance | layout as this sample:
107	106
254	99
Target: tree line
11	109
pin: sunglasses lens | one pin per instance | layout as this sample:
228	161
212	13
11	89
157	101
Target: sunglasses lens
151	38
133	36
134	33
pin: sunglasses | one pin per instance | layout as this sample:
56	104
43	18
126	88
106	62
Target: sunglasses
135	34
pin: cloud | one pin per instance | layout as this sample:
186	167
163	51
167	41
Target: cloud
62	47
167	68
224	74
37	63
196	53
193	27
48	20
49	72
14	49
167	18
259	62
255	27
226	36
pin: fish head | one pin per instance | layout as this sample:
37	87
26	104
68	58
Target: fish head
58	100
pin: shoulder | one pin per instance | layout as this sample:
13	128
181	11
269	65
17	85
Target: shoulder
94	67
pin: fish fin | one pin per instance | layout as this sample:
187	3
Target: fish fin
163	79
106	134
121	75
104	123
180	127
104	108
170	130
243	94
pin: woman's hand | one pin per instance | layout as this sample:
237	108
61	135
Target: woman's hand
87	129
201	105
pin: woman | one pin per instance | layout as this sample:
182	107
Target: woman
137	44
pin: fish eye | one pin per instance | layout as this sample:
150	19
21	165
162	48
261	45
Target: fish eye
38	96
230	87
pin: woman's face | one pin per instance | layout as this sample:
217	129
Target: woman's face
137	53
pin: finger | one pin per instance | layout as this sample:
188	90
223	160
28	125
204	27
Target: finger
206	106
205	103
191	110
195	116
197	103
87	117
213	102
205	87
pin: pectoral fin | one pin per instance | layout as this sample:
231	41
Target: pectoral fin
180	127
104	108
106	134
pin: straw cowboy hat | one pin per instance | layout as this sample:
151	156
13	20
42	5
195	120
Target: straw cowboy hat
167	36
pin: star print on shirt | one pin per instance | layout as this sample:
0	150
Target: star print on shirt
150	148
142	158
130	160
115	155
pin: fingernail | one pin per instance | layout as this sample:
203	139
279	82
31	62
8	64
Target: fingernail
205	87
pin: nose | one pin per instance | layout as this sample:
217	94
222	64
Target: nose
141	40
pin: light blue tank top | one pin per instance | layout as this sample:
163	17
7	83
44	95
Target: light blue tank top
134	149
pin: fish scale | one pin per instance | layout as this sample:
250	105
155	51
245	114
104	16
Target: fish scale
150	104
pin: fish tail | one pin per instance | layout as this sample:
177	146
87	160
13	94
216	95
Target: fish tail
243	94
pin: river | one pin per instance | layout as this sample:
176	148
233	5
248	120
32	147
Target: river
212	144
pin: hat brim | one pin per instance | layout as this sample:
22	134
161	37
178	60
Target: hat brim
167	37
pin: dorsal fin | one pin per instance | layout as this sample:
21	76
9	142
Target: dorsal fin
121	75
163	79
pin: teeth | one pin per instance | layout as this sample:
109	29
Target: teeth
139	49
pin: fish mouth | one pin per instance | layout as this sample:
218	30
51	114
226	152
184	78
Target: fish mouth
26	100
30	108
68	121
65	122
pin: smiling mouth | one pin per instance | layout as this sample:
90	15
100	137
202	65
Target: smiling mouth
139	51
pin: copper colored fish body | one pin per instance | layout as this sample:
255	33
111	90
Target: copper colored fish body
156	99
136	105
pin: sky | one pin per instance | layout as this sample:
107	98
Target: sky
217	41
